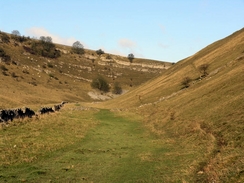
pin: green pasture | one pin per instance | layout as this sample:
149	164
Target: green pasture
86	146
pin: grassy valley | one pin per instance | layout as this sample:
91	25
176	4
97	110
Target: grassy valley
162	129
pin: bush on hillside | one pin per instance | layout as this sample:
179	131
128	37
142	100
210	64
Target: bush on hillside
44	47
50	65
4	56
100	83
108	57
14	75
203	69
78	48
3	68
2	52
4	37
15	33
17	37
20	38
117	88
100	52
186	82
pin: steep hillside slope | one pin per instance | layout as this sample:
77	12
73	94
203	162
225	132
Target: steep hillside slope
27	78
221	56
205	119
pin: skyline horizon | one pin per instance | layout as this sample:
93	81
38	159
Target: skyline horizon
33	37
165	31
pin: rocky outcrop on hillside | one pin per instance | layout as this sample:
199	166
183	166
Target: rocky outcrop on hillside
119	62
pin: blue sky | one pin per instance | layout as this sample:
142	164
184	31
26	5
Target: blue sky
166	30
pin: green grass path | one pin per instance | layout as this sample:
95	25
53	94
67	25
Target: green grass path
116	150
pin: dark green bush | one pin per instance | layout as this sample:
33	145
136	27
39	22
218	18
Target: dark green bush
78	48
17	37
100	52
117	88
20	38
45	49
100	83
131	57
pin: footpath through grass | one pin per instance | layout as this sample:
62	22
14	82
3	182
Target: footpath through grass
118	149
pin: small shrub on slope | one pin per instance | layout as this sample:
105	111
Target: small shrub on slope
100	83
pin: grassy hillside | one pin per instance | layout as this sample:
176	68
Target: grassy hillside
222	56
206	119
28	78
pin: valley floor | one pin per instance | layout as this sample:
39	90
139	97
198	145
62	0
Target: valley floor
87	146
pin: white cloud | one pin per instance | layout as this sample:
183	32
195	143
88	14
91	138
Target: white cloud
127	44
37	32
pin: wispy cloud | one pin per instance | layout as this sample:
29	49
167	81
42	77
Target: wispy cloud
127	44
164	46
37	32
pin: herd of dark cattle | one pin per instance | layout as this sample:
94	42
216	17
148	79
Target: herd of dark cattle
11	114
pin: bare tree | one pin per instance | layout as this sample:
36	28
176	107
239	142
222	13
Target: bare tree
15	33
203	69
43	38
47	39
